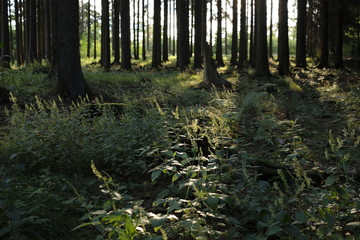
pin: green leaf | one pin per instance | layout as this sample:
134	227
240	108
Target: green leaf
155	175
163	194
273	229
353	224
330	180
175	177
213	202
156	222
300	217
85	225
233	220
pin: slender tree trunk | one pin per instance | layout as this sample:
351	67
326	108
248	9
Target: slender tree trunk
116	33
225	28
198	24
47	31
156	53
138	30
95	34
54	37
71	82
165	34
262	62
89	29
324	58
32	32
143	31
219	57
125	34
19	60
271	31
211	27
252	35
234	37
174	28
105	35
203	24
243	40
338	61
147	26
283	40
5	36
301	35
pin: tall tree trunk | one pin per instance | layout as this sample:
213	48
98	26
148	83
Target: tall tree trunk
324	58
262	62
95	29
116	33
88	29
143	31
182	34
252	34
301	35
219	57
338	61
283	40
197	42
243	40
47	31
234	37
138	30
156	53
71	82
271	31
211	27
5	36
165	34
32	32
19	59
203	24
125	34
105	35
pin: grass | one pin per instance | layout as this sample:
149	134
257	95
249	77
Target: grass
158	158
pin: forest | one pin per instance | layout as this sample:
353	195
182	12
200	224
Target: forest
179	119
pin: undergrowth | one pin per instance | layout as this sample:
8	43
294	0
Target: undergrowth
169	161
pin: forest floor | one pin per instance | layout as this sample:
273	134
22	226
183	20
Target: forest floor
274	158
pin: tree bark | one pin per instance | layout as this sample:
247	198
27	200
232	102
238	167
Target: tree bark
143	31
283	39
95	34
156	53
5	36
125	35
165	32
243	40
182	34
211	77
19	59
116	32
198	32
89	29
262	62
54	32
252	34
324	58
234	37
32	32
71	82
301	35
105	35
219	57
271	31
338	61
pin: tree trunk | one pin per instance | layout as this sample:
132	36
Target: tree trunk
262	62
5	53
71	82
243	40
338	61
211	77
32	32
116	33
197	43
301	35
89	29
143	31
95	34
182	34
125	35
19	57
105	35
165	34
53	7
234	37
283	40
219	57
252	35
271	31
156	53
324	58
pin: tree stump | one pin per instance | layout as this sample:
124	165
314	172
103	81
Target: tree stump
211	77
